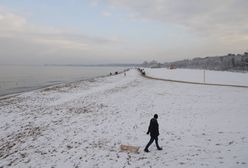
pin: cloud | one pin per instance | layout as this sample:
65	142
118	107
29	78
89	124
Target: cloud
189	28
94	3
21	39
10	21
106	13
212	17
15	26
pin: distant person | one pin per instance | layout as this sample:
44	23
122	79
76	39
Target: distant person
110	73
154	133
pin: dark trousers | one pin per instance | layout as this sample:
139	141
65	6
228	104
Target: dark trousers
151	141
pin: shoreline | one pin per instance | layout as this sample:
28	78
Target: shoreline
14	94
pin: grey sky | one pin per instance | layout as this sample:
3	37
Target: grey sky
124	31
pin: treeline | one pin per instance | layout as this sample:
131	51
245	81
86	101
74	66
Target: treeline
230	62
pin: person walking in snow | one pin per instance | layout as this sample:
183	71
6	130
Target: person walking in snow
153	130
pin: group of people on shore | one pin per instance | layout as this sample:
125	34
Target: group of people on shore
116	73
142	71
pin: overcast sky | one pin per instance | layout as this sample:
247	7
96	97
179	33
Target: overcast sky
120	31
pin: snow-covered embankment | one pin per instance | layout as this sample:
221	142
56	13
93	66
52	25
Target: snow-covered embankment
82	124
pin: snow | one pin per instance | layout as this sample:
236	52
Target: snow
83	124
216	77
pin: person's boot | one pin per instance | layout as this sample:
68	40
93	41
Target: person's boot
159	148
146	150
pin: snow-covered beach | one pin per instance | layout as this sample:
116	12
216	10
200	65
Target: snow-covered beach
82	124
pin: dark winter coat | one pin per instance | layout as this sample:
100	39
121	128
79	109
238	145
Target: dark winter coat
153	128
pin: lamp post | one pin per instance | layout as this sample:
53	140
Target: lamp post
244	63
204	76
204	73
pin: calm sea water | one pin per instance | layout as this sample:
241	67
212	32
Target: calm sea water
15	79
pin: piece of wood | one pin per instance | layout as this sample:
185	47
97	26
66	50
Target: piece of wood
129	148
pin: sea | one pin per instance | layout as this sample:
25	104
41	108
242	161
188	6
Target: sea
22	78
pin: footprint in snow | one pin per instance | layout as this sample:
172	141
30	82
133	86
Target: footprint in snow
241	163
